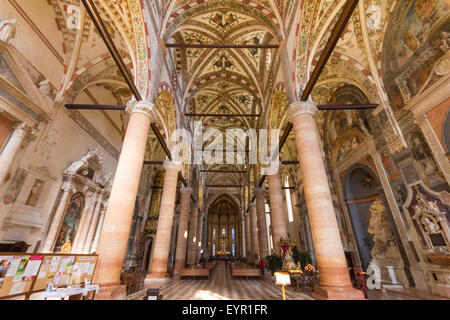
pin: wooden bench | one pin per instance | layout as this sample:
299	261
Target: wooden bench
246	272
195	273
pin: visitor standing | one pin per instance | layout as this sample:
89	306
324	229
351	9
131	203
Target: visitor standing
261	266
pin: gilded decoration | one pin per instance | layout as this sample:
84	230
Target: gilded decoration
415	48
432	223
166	108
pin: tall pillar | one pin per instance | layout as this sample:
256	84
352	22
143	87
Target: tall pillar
248	246
117	222
94	246
204	247
192	235
12	146
180	254
165	221
173	244
254	239
93	227
277	216
334	277
198	245
80	238
262	223
67	190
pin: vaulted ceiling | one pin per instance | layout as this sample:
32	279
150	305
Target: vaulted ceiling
223	81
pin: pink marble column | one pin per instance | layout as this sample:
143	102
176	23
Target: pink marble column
277	215
262	223
80	238
50	239
192	235
254	239
165	221
12	146
93	227
198	246
334	277
248	242
113	239
180	255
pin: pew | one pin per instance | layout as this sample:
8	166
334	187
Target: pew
195	273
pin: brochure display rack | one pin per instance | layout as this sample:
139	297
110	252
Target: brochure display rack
22	275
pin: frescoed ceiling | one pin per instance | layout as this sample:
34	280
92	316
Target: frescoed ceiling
239	81
224	81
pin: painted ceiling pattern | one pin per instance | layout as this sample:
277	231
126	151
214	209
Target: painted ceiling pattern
224	81
227	81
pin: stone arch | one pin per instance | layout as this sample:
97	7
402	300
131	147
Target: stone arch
70	222
446	132
363	195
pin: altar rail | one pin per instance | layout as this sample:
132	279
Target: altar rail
23	274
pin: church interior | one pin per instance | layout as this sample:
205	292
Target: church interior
210	150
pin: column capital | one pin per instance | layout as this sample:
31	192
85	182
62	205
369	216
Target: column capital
172	165
260	191
195	205
142	106
68	187
186	191
271	168
301	107
20	130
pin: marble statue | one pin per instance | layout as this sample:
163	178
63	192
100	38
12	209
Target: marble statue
45	87
383	238
288	262
8	30
67	247
430	226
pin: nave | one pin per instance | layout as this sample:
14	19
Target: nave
221	286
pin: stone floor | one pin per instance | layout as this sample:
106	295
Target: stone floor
221	286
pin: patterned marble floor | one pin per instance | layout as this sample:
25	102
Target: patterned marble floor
221	286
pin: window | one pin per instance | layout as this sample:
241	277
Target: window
214	243
288	200
232	242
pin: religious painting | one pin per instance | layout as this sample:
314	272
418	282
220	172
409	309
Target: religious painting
70	223
223	61
420	20
395	96
224	20
416	42
194	38
15	186
446	132
387	163
400	193
35	193
423	155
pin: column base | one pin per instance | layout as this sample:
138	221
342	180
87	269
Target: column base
337	293
111	292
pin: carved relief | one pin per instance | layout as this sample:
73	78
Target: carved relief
432	224
8	30
383	238
86	187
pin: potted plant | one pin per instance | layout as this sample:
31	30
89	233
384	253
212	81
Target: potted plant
275	263
302	257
